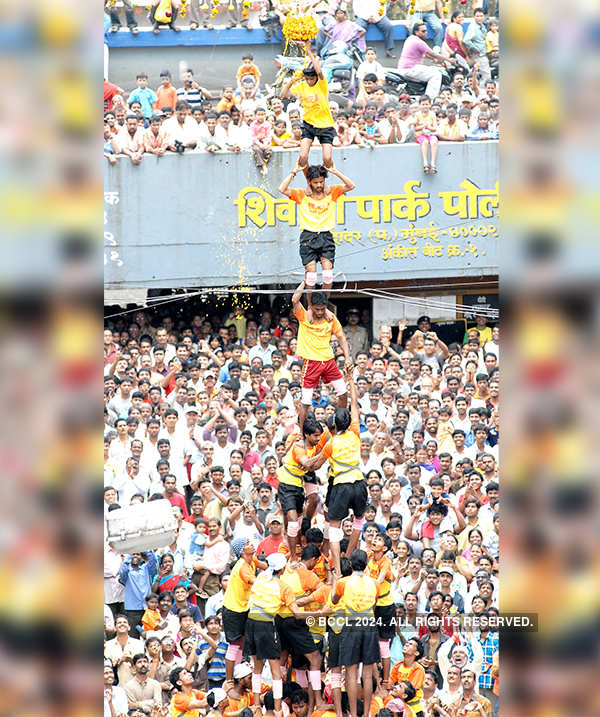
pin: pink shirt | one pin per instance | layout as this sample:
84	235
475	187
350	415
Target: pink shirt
412	53
260	132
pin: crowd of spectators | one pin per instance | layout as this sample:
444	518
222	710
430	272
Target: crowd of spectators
248	114
198	408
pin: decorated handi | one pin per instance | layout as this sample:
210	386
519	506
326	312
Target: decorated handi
299	26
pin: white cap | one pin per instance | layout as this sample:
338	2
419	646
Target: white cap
276	561
241	670
219	694
191	409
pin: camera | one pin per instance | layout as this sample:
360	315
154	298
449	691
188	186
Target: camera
179	146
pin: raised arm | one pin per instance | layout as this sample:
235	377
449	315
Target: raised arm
284	186
314	59
354	412
296	305
348	183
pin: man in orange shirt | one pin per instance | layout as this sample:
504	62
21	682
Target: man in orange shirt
409	669
188	702
302	453
380	569
295	635
166	94
316	215
316	327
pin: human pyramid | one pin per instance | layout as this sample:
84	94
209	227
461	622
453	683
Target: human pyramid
268	606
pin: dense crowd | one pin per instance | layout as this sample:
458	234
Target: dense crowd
249	115
203	409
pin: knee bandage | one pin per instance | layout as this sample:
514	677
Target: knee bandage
306	398
310	489
327	276
314	677
336	680
384	648
234	653
335	535
293	528
311	278
256	683
277	689
339	386
302	678
358	523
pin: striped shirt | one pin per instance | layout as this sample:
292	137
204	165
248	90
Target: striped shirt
216	669
192	96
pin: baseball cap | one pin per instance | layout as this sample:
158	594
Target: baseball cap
446	570
210	372
191	409
271	517
241	670
423	318
353	310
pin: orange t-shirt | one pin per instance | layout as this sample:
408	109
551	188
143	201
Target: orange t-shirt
317	215
165	97
225	104
314	340
248	70
180	701
150	619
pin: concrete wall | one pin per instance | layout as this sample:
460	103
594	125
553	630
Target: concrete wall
211	220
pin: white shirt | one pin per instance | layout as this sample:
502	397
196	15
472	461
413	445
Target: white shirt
367	67
366	9
188	132
127	487
385	127
119	702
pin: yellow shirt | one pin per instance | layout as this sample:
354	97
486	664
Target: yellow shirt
238	588
285	135
343	452
374	568
360	594
317	215
492	42
458	128
315	103
314	339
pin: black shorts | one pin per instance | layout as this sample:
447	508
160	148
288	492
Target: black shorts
385	625
311	477
290	497
359	644
299	662
316	245
344	496
295	635
234	624
262	640
333	653
325	135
